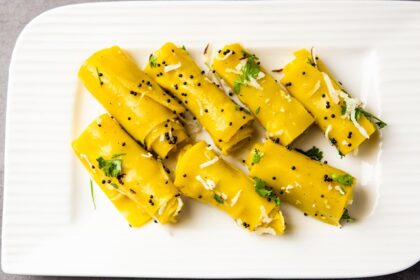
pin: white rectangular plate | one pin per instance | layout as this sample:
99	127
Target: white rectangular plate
49	225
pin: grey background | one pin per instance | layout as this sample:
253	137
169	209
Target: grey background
14	15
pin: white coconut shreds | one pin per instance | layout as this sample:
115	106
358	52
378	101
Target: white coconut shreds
240	65
314	57
327	131
223	57
235	198
171	67
264	216
180	204
265	230
225	87
148	155
358	126
351	106
162	208
253	83
340	190
331	90
288	188
314	89
207	184
234	71
223	195
210	162
260	75
275	133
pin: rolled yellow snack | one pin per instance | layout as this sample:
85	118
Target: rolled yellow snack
283	117
340	117
135	100
133	213
227	123
317	189
202	175
120	166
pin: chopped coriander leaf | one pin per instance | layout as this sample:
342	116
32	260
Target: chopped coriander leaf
276	200
258	110
256	156
346	216
111	168
218	198
184	48
249	71
92	194
343	108
357	114
310	61
264	191
118	155
372	118
314	153
345	179
237	85
153	60
340	190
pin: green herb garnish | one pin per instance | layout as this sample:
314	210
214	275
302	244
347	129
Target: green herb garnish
118	155
153	60
344	179
343	108
99	76
310	61
257	111
218	198
314	153
92	194
184	48
111	168
256	156
346	216
370	117
264	191
357	113
360	111
251	69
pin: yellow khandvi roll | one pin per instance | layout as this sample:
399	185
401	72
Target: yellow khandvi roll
340	116
227	123
120	166
133	213
136	101
317	189
201	174
282	116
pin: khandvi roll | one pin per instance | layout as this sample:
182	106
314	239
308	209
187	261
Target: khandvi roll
227	123
283	117
345	123
135	182
133	213
135	100
201	174
317	189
